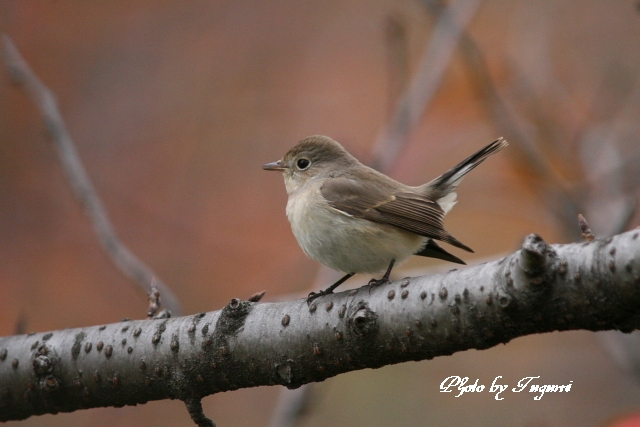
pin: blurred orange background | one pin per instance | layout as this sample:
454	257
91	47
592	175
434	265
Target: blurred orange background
175	106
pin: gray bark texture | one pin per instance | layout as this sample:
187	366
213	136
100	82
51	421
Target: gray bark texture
540	288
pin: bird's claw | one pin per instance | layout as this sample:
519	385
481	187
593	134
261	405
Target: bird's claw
314	295
378	282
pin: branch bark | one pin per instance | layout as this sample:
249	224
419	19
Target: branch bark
540	288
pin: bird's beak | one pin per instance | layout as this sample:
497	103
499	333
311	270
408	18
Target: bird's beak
274	166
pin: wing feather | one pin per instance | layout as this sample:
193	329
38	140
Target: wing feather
410	211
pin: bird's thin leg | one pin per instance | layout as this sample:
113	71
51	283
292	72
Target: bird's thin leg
329	290
385	278
388	273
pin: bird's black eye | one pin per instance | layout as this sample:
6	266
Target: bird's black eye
303	164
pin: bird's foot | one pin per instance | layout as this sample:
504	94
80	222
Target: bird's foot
314	295
374	283
385	279
329	290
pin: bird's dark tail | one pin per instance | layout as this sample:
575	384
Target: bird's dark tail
433	250
448	181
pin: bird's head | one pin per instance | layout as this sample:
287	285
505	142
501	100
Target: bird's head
313	156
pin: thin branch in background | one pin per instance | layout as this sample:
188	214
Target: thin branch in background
626	215
555	122
558	198
504	118
21	324
397	60
417	96
613	107
609	205
538	92
129	264
630	210
615	95
600	172
293	405
563	201
614	172
389	143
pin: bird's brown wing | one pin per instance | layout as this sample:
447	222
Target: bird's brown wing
410	211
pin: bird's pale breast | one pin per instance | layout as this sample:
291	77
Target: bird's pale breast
341	241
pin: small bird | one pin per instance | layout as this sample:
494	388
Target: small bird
355	219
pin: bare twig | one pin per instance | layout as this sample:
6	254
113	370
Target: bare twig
194	406
257	296
129	264
397	60
154	299
584	227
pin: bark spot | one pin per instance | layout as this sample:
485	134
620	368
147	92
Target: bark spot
42	365
284	372
361	319
175	344
285	320
342	311
77	345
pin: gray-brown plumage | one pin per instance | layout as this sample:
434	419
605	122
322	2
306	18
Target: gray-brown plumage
357	220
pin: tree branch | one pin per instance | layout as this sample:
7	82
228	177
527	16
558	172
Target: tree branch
425	83
559	199
540	288
125	260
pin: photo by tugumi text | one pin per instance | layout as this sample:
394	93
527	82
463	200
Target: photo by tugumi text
454	382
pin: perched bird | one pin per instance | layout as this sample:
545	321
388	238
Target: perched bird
355	219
